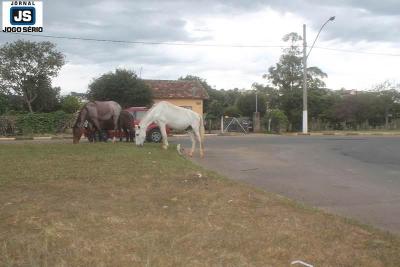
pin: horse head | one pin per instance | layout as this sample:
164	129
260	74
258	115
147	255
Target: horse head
140	135
77	133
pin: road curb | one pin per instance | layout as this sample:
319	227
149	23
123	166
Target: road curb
43	138
22	138
343	134
184	135
7	138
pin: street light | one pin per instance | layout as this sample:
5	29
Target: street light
305	57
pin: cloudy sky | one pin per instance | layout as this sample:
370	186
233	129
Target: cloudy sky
360	49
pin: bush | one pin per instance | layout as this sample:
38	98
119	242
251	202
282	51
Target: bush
38	123
277	120
70	104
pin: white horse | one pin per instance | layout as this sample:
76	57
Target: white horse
165	113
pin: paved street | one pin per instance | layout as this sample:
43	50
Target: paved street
358	177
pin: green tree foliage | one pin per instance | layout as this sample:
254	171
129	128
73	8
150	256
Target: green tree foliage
215	109
48	99
70	104
271	95
232	111
287	77
247	103
328	109
4	104
389	99
122	86
275	120
25	66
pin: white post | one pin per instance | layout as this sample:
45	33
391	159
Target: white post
222	124
305	113
256	102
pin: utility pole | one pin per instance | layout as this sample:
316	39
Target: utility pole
256	102
256	118
305	57
305	112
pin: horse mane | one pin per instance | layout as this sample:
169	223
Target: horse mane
79	117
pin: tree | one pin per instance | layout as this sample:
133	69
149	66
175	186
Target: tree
275	120
247	103
271	95
24	65
4	104
70	104
232	111
287	77
388	96
122	86
48	97
215	109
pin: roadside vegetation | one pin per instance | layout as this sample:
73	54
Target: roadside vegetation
27	88
118	205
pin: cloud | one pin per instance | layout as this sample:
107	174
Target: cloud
368	25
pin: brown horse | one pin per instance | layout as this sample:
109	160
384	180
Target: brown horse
93	134
96	113
125	123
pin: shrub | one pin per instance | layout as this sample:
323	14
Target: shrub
37	123
277	120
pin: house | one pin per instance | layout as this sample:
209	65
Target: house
187	94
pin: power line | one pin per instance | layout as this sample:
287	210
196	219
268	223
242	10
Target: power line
358	52
150	43
201	45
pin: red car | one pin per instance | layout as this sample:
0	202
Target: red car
153	131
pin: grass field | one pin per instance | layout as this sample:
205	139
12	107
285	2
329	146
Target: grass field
118	205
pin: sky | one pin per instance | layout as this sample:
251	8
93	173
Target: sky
358	50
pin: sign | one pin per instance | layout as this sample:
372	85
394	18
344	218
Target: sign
22	16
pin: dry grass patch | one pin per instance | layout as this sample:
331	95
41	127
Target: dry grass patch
117	205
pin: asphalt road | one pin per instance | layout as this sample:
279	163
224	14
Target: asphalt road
358	177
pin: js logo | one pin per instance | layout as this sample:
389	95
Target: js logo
22	16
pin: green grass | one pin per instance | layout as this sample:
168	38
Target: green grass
118	205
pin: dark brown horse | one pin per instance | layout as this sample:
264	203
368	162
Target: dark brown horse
96	113
125	123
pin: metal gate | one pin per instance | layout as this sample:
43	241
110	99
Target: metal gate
233	124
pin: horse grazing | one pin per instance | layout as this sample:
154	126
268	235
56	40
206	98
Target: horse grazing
165	113
104	126
96	113
125	123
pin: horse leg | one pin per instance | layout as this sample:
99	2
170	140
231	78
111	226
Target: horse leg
126	135
115	118
164	135
198	136
96	126
191	135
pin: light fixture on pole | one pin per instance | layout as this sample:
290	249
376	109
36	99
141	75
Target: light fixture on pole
305	57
